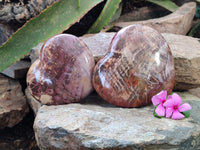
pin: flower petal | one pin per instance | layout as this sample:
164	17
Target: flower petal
184	107
169	97
155	100
177	115
162	94
169	112
160	110
169	103
177	99
158	98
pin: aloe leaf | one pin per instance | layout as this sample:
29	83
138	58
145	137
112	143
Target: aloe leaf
53	20
106	15
117	14
167	4
195	31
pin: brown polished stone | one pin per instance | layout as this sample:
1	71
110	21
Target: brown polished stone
62	74
138	65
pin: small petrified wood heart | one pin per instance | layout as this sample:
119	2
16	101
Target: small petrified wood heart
63	72
138	65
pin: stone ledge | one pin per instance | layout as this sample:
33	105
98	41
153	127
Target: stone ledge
89	126
178	22
13	105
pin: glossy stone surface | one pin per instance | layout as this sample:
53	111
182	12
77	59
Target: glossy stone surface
63	72
138	65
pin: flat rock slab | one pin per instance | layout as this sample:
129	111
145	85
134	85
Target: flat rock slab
18	69
101	126
98	43
13	106
186	52
178	22
195	91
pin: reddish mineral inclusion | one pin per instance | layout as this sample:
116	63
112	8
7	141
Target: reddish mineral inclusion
138	65
63	72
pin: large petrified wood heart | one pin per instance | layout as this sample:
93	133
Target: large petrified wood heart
63	72
138	65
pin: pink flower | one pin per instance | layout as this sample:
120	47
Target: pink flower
158	101
173	107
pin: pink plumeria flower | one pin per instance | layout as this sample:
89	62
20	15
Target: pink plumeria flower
159	100
173	107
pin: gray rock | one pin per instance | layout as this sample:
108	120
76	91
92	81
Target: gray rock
35	52
178	22
13	15
18	69
186	53
195	91
13	106
5	33
143	13
21	13
98	43
102	126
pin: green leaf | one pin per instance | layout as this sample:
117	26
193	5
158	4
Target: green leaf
155	114
197	13
186	113
117	14
106	15
167	4
195	31
51	21
78	3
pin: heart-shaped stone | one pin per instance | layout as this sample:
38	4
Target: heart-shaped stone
138	65
63	72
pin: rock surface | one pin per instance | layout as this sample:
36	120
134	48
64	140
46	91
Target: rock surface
195	91
13	106
102	39
35	52
186	53
143	13
13	14
102	126
20	12
18	69
178	22
5	33
138	65
63	72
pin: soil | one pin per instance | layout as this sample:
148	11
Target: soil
19	137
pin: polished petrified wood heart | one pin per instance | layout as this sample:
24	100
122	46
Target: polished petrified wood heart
138	65
63	72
